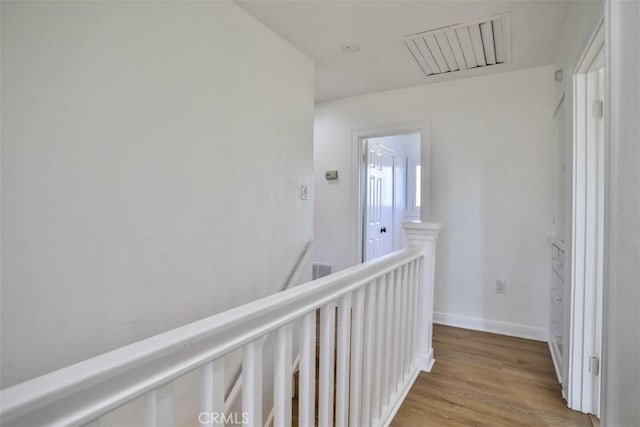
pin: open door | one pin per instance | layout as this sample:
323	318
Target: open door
379	203
587	260
391	171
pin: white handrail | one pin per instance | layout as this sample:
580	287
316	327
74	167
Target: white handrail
82	392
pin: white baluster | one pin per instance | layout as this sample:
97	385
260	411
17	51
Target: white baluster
158	406
355	383
396	330
379	346
423	319
212	391
416	311
410	301
388	342
369	375
282	377
402	336
307	379
424	330
342	361
327	339
252	382
150	409
400	327
411	313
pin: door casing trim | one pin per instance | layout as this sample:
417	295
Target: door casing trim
357	187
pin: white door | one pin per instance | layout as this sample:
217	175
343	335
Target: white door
597	78
587	255
378	207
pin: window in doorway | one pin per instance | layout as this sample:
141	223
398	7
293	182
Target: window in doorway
417	185
414	187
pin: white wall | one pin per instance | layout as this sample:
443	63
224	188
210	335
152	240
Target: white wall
490	187
581	22
152	157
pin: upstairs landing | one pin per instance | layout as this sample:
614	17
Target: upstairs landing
487	379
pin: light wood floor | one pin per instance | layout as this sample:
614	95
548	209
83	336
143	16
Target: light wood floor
487	379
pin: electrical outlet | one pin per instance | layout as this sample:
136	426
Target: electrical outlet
304	192
501	286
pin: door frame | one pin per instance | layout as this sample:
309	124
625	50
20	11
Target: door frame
587	241
357	179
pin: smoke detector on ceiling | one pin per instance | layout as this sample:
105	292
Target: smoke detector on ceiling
482	43
351	48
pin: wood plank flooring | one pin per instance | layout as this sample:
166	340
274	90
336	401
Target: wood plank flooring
482	379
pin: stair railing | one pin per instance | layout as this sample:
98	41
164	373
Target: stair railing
383	326
292	280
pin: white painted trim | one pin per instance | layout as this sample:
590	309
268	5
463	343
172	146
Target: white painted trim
357	186
493	326
427	361
425	235
568	252
555	365
584	243
620	376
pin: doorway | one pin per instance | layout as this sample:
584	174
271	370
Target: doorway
391	168
389	185
587	266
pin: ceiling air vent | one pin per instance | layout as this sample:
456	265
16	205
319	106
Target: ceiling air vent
460	47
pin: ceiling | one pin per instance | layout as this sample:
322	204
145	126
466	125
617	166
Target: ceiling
320	28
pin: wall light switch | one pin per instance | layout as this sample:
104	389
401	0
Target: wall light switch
304	192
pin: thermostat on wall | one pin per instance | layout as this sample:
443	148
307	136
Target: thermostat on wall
329	175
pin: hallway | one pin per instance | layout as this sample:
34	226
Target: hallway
486	379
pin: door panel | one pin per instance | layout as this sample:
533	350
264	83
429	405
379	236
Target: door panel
379	203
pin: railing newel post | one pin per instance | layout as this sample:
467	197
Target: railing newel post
424	235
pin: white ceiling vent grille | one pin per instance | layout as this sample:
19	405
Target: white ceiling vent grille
460	47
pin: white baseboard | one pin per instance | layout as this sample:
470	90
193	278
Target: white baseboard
556	365
426	361
493	326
